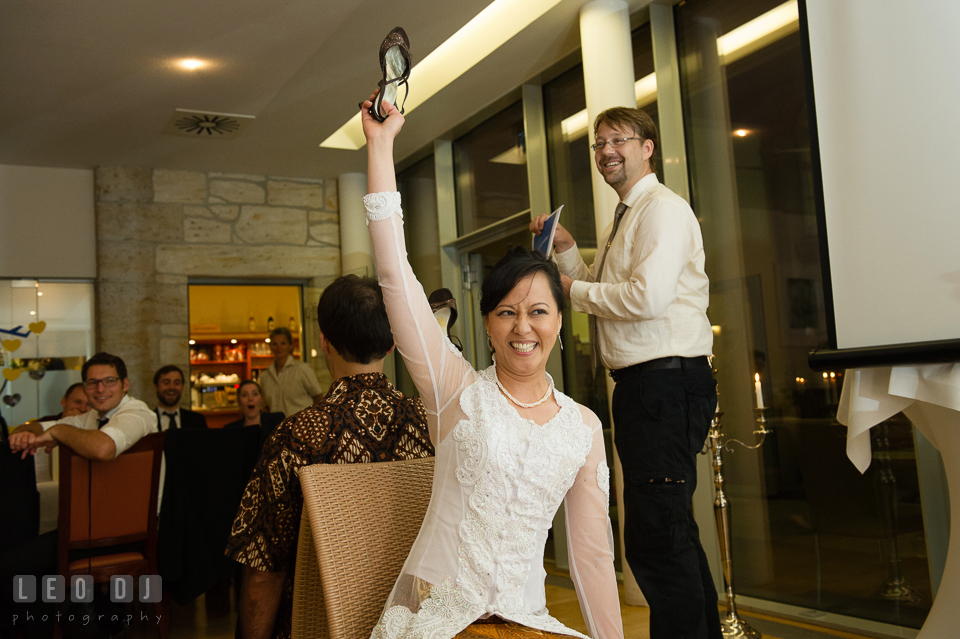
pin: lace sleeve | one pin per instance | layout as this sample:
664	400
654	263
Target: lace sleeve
438	370
588	538
380	206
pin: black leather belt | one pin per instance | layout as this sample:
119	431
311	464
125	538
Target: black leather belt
660	364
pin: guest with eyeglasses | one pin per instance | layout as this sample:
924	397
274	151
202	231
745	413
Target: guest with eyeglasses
647	294
116	422
168	382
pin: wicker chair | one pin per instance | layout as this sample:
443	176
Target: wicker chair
364	518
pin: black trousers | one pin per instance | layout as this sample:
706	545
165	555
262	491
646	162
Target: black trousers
661	422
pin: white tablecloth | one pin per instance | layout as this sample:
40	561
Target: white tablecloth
930	397
49	505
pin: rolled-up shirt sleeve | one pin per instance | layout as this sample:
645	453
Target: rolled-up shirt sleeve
126	428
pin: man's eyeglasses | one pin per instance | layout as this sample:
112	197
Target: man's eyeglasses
108	382
614	143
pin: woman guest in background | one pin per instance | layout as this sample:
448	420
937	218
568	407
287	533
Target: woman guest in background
289	385
251	410
510	448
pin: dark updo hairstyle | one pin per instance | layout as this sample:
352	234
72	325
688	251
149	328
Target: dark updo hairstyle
518	263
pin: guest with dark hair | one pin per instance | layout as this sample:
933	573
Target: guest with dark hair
250	399
362	419
117	422
510	447
289	385
353	320
168	383
518	263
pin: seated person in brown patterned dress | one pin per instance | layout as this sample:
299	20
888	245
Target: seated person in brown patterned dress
355	336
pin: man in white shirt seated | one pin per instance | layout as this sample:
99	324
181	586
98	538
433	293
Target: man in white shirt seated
116	422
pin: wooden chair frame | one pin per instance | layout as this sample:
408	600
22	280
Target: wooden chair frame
86	486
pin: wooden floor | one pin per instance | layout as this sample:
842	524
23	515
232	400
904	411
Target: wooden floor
194	622
563	605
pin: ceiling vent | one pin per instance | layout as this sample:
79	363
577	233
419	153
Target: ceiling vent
207	125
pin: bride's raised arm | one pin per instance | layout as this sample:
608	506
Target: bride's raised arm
436	366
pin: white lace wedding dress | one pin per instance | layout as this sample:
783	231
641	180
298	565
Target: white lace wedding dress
498	483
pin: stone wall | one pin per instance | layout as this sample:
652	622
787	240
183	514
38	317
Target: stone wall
156	229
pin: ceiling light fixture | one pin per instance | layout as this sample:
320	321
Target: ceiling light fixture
741	133
477	39
749	37
191	64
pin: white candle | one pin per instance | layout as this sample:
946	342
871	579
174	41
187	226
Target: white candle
756	385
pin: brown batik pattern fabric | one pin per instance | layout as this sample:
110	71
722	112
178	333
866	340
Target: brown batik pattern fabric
361	419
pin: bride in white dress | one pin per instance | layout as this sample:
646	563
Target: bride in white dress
509	448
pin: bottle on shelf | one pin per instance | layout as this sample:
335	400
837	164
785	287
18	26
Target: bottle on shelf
292	325
270	323
252	325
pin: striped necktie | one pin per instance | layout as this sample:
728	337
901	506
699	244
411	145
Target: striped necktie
617	217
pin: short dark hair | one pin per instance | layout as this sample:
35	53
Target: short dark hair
518	263
72	388
282	330
353	318
636	120
104	359
169	368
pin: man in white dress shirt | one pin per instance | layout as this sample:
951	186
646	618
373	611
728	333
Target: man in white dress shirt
288	384
116	422
648	293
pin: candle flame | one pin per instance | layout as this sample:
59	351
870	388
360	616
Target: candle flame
757	377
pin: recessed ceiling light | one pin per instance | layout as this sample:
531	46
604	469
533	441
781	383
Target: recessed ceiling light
192	64
489	29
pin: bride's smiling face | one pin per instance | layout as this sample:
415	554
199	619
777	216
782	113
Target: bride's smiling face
524	326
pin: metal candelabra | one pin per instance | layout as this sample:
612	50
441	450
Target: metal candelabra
732	625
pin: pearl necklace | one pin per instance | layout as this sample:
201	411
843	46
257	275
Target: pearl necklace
517	401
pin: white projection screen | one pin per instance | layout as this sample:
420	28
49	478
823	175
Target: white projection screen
886	85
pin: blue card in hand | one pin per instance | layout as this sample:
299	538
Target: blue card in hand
544	241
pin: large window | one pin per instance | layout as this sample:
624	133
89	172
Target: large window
808	530
491	171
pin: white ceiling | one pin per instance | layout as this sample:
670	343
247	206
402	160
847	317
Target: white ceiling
87	83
